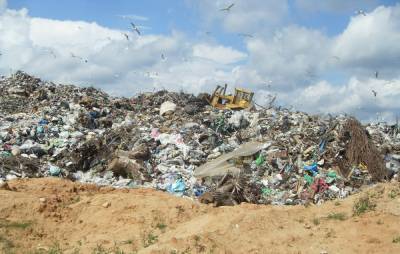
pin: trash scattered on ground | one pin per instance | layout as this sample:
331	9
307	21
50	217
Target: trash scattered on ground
178	143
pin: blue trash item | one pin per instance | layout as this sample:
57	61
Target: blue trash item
39	129
288	168
43	122
311	168
94	114
198	191
54	170
178	187
322	145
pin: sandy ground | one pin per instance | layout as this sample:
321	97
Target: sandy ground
58	216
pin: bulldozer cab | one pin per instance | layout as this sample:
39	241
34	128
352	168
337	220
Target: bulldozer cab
240	100
242	95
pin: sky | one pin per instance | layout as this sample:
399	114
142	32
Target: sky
331	56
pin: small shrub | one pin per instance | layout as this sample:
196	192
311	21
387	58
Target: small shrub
316	221
363	205
337	216
161	226
149	239
14	224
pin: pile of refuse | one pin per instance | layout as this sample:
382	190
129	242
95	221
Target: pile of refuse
176	142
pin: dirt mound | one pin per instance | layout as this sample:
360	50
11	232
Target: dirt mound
57	216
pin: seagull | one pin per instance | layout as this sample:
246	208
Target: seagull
126	36
52	53
374	92
269	84
75	56
134	27
227	8
246	35
376	74
361	12
336	57
208	32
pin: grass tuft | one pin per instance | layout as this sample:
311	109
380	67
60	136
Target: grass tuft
363	205
337	216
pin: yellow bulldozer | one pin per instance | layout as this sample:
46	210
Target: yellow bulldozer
240	100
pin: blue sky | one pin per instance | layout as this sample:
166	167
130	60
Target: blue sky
311	54
165	16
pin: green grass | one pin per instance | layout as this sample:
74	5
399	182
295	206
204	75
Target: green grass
7	245
100	250
363	205
199	247
161	226
113	250
127	242
55	249
316	221
14	224
149	239
337	216
393	194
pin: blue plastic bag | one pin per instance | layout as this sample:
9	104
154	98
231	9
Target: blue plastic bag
313	168
178	187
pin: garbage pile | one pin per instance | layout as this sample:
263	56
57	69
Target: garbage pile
176	142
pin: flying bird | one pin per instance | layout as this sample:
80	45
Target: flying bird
163	57
80	58
361	12
246	35
135	28
126	36
269	84
374	92
376	74
336	57
51	52
227	8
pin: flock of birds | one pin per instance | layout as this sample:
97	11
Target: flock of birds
227	9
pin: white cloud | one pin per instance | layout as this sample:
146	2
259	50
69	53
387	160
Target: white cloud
356	97
219	54
372	42
134	17
291	58
246	16
45	48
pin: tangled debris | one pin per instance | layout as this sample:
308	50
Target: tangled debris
176	142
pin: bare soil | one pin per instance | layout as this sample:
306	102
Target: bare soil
51	215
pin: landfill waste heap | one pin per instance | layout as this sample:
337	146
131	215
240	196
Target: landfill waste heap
178	143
